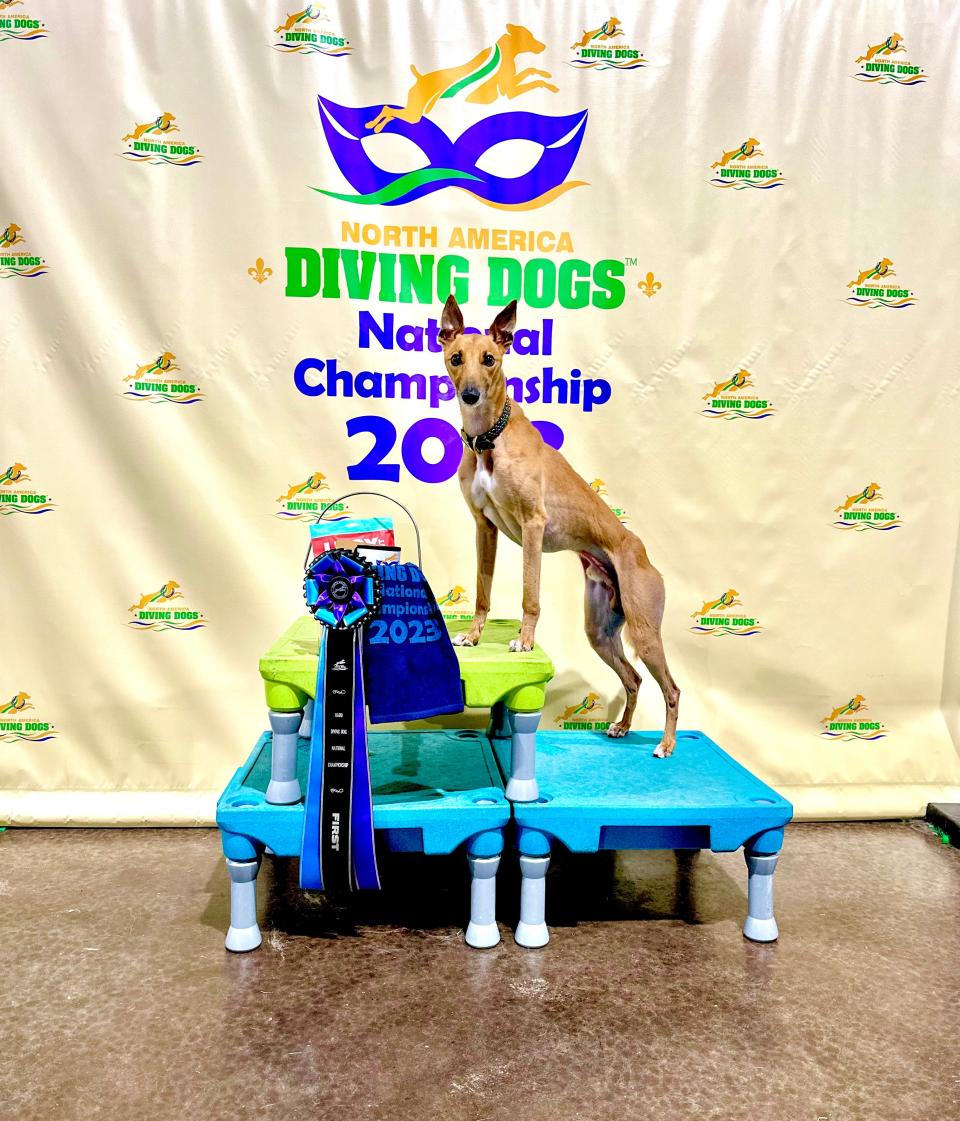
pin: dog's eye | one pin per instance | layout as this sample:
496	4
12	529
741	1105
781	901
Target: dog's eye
457	359
488	360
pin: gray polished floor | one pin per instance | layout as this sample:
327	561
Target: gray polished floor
119	1001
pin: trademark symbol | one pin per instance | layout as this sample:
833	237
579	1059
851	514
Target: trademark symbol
630	261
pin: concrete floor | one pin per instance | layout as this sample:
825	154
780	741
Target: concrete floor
119	1001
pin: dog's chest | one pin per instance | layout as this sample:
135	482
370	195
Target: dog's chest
486	496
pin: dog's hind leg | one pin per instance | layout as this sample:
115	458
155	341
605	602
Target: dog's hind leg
603	624
641	597
649	647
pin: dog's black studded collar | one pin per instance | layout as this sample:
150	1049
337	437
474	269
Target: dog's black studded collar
486	440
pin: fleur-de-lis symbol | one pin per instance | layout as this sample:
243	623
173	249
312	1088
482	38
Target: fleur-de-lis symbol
649	286
260	272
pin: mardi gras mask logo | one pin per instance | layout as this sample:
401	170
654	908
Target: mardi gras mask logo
450	162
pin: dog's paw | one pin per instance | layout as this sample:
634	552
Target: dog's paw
517	645
618	730
662	751
465	640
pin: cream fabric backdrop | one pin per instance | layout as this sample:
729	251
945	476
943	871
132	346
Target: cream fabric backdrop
140	260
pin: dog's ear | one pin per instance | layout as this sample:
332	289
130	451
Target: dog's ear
501	329
451	321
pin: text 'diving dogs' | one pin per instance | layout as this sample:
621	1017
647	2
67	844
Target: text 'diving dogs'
517	485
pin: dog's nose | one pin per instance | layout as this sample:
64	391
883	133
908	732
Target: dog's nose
470	396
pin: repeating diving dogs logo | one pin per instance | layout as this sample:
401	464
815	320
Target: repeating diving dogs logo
727	399
19	26
597	50
582	716
150	142
151	613
873	288
14	728
853	514
16	499
455	604
299	504
154	382
18	262
715	617
877	65
732	173
486	78
845	722
297	35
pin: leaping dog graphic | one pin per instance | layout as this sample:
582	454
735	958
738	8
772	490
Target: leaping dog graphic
890	45
457	594
589	703
728	599
17	703
609	30
870	493
10	236
314	482
308	15
14	474
162	365
167	592
855	704
494	68
740	380
882	269
747	150
163	123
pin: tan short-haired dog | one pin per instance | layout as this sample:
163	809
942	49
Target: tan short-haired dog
516	484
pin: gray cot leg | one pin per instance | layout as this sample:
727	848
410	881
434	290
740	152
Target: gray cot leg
522	785
532	930
760	926
283	788
498	726
307	726
483	931
244	934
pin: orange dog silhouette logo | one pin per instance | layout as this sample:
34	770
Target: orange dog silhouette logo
16	727
748	150
15	473
162	125
610	29
19	702
151	612
10	236
152	142
878	65
581	713
15	498
492	73
163	595
313	483
297	34
604	48
846	722
857	512
717	617
891	45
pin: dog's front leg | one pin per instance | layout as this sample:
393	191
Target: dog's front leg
486	558
532	555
